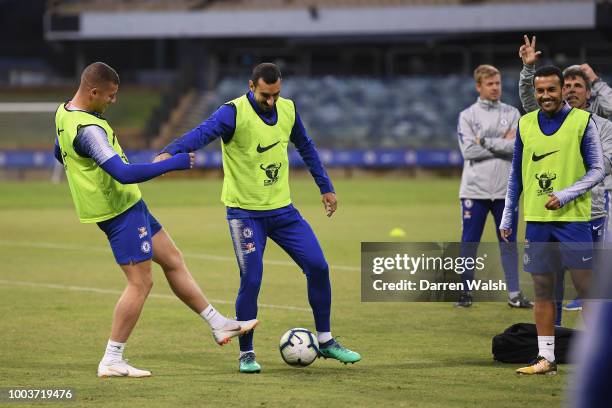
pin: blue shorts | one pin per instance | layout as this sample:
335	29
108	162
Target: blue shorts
599	228
130	234
553	246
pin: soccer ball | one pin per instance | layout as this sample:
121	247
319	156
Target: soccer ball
299	347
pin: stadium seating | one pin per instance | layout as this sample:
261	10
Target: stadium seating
410	112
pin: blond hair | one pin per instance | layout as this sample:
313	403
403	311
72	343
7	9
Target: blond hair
485	71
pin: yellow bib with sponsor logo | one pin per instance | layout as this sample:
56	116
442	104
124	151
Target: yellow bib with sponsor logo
255	160
552	163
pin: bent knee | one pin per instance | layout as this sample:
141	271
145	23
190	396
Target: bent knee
543	286
582	289
317	268
251	283
143	284
176	259
172	259
146	285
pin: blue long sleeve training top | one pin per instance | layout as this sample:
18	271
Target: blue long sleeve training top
222	124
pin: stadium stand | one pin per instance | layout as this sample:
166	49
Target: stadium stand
395	90
345	112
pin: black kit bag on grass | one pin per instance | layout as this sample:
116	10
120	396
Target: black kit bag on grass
519	344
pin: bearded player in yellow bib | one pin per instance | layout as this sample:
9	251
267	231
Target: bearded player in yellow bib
557	160
102	184
255	130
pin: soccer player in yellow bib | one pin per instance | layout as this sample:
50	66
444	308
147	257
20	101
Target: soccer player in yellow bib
102	184
255	130
557	160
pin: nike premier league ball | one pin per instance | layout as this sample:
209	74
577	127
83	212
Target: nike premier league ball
299	347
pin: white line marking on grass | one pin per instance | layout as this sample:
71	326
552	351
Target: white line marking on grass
118	292
71	247
19	107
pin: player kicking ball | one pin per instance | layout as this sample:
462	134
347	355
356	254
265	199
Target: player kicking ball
255	130
102	184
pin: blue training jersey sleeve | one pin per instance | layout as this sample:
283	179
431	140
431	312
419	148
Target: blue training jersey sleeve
515	184
306	148
592	154
137	173
57	152
221	124
91	141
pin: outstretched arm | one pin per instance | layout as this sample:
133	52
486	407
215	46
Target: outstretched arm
137	173
92	142
221	124
306	148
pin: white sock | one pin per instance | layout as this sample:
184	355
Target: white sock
242	353
215	319
513	294
324	337
546	346
114	351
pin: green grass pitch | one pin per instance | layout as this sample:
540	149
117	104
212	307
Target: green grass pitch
59	283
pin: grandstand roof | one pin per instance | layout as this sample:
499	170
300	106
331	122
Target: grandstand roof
80	6
115	19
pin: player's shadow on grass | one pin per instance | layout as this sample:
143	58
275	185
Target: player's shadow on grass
67	369
427	364
186	363
314	370
216	363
